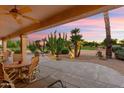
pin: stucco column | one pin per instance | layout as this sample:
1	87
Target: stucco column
4	45
24	42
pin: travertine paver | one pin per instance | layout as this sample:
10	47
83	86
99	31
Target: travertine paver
79	74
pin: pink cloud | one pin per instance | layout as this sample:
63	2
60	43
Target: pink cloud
93	34
37	36
117	23
92	27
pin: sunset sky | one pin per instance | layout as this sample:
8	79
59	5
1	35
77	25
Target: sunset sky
92	28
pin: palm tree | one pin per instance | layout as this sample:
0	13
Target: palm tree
108	36
75	39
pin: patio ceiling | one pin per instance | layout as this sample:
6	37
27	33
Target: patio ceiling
49	16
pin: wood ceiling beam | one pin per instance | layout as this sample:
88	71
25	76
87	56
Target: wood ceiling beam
71	14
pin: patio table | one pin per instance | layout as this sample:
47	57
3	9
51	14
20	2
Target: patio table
17	66
1	55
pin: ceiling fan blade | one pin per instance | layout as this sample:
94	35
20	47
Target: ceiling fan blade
19	21
30	18
6	14
25	9
4	8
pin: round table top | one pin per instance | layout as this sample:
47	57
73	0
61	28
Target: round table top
1	55
17	65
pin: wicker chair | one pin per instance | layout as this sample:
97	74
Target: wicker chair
30	73
5	81
6	54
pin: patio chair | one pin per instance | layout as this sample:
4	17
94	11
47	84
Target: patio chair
1	59
6	56
30	73
55	82
4	78
17	57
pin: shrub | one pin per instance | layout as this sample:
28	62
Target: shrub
32	47
46	51
119	54
65	51
122	48
16	50
116	47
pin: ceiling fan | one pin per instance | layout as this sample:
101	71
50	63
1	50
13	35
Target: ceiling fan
18	13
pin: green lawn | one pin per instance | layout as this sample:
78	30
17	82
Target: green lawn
83	48
88	48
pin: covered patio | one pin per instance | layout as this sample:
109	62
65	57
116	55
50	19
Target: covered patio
50	16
